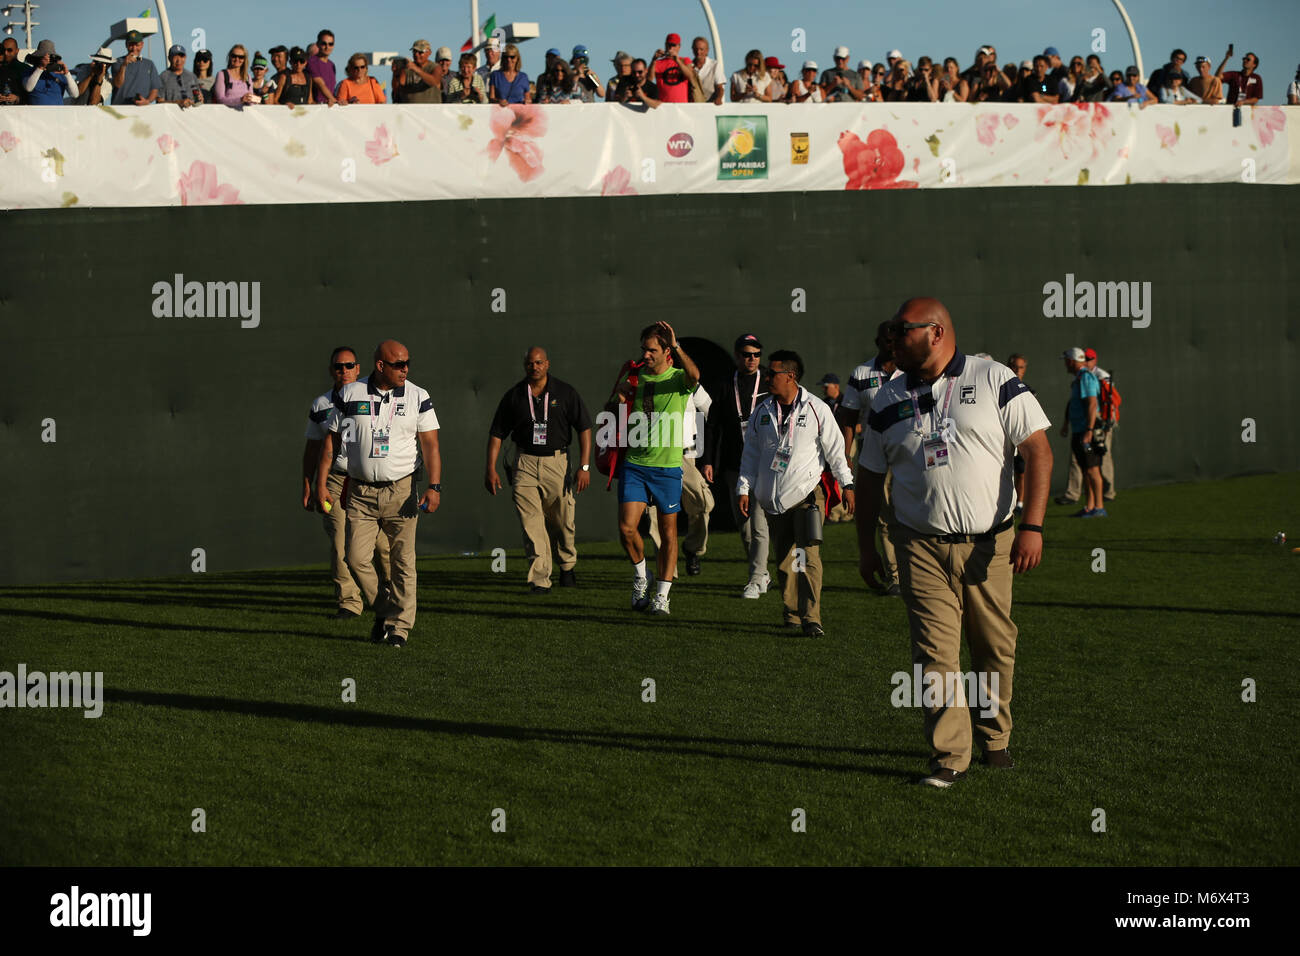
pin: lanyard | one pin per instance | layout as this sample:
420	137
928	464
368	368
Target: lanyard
374	413
546	405
735	390
916	407
785	430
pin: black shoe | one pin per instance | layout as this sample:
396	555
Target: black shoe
812	629
692	563
999	759
568	579
379	631
538	589
942	778
893	591
343	614
1062	500
793	626
395	640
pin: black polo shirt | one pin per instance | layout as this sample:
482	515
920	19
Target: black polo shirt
563	412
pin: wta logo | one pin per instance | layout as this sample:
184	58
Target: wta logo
680	144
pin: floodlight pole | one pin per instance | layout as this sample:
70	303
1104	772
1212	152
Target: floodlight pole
166	27
1133	39
717	40
27	23
473	22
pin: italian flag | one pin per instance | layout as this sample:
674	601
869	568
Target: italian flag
488	29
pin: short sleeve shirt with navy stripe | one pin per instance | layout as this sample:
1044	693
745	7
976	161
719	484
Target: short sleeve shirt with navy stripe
863	385
989	413
367	412
316	430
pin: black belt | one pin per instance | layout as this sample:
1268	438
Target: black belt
549	454
969	538
378	484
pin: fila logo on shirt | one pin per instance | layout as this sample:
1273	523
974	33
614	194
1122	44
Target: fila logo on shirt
967	395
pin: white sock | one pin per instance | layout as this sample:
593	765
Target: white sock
663	588
639	568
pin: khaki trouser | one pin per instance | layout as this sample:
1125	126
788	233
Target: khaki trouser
1074	486
948	587
386	510
346	592
801	589
546	513
697	502
753	530
840	513
888	556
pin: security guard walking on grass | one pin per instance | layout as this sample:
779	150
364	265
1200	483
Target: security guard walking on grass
390	424
540	414
344	369
792	438
947	431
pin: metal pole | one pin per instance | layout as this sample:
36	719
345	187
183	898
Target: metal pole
1133	39
717	40
166	27
473	17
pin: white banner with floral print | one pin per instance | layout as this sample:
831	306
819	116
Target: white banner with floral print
161	155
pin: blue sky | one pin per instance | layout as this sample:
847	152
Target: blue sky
1019	28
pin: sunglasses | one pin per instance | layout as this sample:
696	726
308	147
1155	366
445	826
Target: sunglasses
400	366
237	56
340	366
751	355
324	43
898	328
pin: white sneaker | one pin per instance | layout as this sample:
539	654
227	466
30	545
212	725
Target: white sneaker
659	606
641	592
757	586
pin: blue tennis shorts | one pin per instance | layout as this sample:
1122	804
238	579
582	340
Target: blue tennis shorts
661	487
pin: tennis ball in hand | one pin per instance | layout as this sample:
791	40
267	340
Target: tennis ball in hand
326	507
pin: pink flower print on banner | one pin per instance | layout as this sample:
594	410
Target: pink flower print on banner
8	141
1267	121
199	187
1077	127
166	144
1167	136
382	148
617	182
874	164
986	128
515	129
1010	120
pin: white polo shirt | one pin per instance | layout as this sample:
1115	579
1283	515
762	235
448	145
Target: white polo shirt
811	437
316	430
697	408
863	385
989	411
369	412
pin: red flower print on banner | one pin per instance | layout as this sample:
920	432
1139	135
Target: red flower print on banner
1077	127
1267	120
382	147
874	164
617	182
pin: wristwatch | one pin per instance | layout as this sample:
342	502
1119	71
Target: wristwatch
848	487
586	467
437	488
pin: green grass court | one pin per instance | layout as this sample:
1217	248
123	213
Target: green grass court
223	692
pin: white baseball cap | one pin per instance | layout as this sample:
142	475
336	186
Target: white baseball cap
841	52
864	64
893	55
810	64
1075	353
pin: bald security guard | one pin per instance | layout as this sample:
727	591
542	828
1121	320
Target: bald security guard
540	414
947	431
389	423
344	369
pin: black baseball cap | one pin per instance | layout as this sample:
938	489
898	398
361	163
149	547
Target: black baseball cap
748	339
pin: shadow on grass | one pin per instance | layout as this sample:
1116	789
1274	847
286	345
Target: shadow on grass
648	743
170	627
1096	606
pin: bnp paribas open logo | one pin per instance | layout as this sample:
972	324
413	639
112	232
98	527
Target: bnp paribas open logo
742	147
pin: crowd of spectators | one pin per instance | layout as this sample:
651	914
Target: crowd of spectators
294	76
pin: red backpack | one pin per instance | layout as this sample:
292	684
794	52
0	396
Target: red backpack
1108	402
609	457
